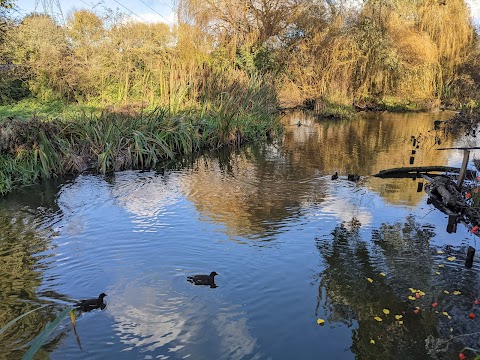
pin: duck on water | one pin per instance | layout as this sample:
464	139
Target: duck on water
203	279
91	304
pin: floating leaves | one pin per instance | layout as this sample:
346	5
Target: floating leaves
451	258
476	302
445	313
386	311
441	265
410	297
320	322
435	304
446	292
398	317
383	274
436	272
372	341
472	316
370	280
456	292
378	318
439	252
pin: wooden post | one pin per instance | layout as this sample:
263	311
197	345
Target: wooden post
463	169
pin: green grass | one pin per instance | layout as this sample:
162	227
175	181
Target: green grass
28	108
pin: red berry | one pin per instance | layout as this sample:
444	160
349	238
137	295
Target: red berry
472	316
461	356
435	304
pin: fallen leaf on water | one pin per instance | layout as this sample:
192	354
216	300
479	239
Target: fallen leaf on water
383	274
386	311
370	280
410	297
441	265
476	302
446	292
461	356
372	342
416	311
412	290
456	292
378	318
439	252
398	317
320	321
400	322
474	229
435	304
436	272
451	329
445	313
418	296
472	316
468	195
451	258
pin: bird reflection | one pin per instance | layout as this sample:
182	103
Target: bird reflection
92	304
203	279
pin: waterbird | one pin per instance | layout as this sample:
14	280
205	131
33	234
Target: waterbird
203	279
353	177
335	176
91	304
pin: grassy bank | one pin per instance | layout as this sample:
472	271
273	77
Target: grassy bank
37	148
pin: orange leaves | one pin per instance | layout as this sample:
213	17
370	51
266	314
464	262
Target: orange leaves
472	316
435	304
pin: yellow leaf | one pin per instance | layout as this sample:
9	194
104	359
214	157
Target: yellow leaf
372	342
421	292
451	258
73	318
410	297
386	311
446	292
400	322
378	318
449	317
383	274
398	317
445	313
370	280
456	292
439	252
441	265
412	290
436	272
451	329
320	321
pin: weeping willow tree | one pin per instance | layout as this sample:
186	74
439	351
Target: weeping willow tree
406	49
448	25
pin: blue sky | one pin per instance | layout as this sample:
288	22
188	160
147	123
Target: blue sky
149	10
141	10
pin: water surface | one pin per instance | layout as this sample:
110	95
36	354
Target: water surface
291	246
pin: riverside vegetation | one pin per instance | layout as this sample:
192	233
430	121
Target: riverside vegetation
218	77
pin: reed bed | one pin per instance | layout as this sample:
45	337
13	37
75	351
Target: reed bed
36	149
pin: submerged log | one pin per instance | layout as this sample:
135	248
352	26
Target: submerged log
412	171
469	259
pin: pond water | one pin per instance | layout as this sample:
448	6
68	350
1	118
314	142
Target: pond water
290	245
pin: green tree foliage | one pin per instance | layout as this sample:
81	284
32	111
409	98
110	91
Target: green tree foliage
312	49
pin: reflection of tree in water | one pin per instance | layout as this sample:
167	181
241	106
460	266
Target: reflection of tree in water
22	238
402	251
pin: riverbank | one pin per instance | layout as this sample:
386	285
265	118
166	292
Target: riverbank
38	147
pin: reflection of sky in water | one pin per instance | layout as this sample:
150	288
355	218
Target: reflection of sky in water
139	234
